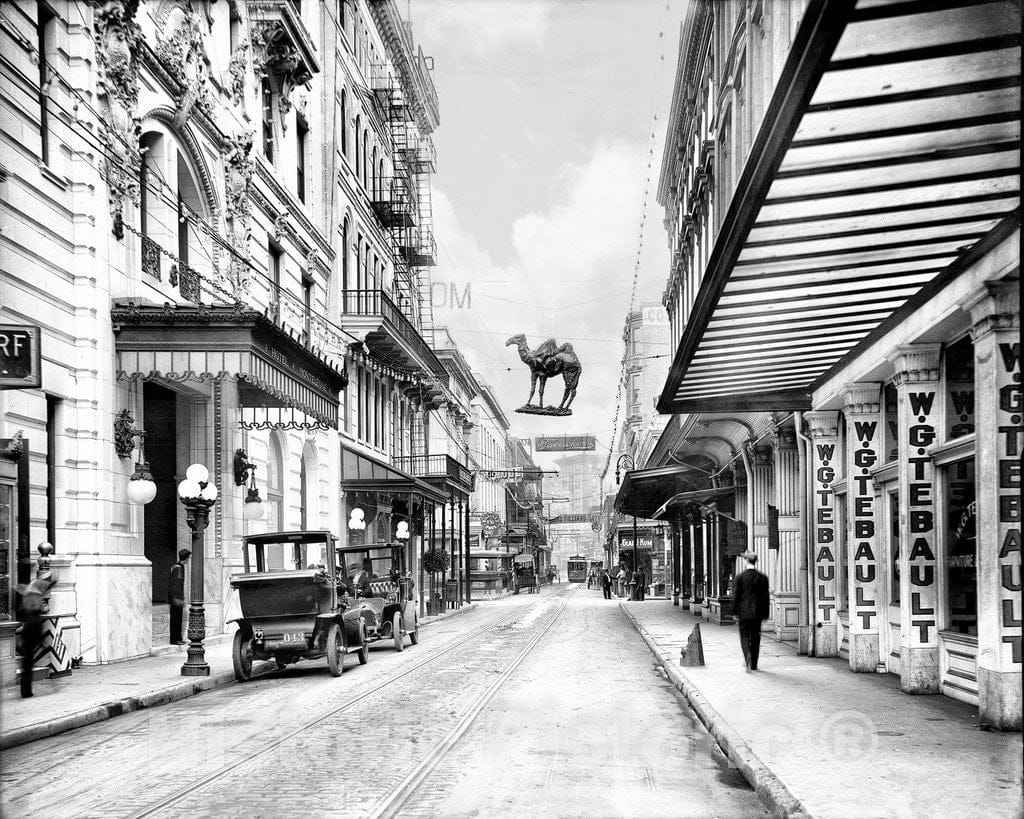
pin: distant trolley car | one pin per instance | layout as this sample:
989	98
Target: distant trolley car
577	569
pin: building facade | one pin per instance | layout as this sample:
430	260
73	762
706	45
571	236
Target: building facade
843	300
218	216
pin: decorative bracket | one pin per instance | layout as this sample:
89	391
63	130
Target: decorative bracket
125	434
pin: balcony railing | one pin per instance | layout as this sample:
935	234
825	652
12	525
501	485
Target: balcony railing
436	466
188	281
394	204
377	304
150	257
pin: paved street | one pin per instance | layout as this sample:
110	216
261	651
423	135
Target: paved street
513	709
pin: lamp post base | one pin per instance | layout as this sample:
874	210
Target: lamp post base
196	665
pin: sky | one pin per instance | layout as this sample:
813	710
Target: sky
553	120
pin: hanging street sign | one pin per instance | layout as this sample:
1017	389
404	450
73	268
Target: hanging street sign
20	358
565	443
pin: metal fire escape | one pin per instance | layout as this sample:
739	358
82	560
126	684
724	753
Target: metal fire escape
403	204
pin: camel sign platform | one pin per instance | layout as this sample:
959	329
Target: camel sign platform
548	360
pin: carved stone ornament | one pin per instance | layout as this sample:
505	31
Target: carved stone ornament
915	363
862	398
117	37
238	171
783	438
236	71
275	54
281	226
180	47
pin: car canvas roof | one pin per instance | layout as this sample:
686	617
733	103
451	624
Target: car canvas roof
302	536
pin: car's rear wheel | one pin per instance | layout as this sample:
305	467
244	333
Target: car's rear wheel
396	631
241	655
335	650
364	649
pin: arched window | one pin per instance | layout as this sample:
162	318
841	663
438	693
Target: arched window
275	500
366	142
382	193
344	264
344	123
367	270
359	125
375	181
172	208
360	284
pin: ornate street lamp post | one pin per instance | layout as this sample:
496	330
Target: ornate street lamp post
626	462
198	495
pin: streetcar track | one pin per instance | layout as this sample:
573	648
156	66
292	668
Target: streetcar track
393	803
499	622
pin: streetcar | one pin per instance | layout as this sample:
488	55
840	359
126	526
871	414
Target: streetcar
577	569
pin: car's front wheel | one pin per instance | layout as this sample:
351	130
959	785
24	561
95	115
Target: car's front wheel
241	655
364	649
396	631
335	650
414	635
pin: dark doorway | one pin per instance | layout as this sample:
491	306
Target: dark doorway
161	514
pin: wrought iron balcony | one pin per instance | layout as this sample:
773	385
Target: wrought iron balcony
150	257
419	248
188	281
437	468
372	315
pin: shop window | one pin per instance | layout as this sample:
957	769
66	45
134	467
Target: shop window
959	367
891	423
961	547
894	548
8	514
275	502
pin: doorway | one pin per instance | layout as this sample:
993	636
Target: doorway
161	514
892	635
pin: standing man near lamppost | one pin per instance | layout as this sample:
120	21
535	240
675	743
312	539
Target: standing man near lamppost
197	494
176	596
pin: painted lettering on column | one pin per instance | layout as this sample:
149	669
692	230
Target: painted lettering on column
921	518
824	532
865	568
1011	409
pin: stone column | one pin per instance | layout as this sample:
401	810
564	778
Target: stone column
761	486
685	561
863	444
786	579
994	310
824	433
675	524
916	376
697	553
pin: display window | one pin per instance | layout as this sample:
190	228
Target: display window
7	546
959	372
961	547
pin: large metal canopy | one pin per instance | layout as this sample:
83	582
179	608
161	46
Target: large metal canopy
888	160
644	490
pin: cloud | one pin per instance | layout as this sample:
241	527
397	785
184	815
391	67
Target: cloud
569	277
485	27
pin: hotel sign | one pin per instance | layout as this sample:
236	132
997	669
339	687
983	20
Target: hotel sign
20	359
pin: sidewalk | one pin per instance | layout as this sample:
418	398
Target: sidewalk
815	739
95	693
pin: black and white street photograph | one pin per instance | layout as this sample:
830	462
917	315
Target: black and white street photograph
510	409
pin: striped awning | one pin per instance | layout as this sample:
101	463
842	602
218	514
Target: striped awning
888	161
186	343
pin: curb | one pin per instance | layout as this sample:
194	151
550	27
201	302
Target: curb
769	788
114	708
162	696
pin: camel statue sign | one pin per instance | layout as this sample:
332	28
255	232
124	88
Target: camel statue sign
548	360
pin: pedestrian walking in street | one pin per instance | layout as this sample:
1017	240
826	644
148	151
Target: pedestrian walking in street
176	596
641	580
750	607
606	584
620	581
33	606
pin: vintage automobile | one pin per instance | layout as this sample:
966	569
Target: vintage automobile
525	575
380	593
292	606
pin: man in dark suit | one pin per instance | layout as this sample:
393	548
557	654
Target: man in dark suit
750	605
176	596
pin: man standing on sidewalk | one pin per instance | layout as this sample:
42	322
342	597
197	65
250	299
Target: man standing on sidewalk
750	606
176	596
606	584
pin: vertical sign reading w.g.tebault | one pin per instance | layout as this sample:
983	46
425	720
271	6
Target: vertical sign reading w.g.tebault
863	441
824	431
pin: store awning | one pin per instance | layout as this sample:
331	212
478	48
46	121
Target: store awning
360	473
888	161
188	343
644	490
